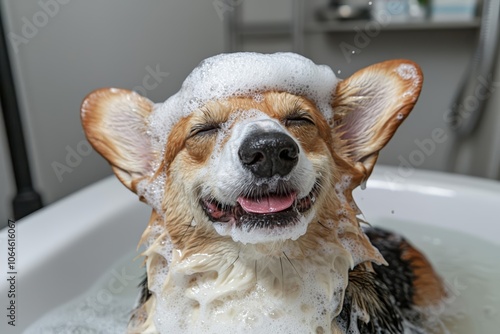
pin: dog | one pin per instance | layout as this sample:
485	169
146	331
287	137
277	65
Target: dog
249	170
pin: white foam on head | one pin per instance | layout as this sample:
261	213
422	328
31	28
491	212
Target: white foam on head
245	74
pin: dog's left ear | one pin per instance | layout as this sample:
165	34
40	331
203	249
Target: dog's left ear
369	106
115	123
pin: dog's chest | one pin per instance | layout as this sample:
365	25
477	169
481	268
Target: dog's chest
271	296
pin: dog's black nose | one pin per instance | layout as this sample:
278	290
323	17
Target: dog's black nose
269	153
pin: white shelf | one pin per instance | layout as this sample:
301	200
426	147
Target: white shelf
346	26
280	29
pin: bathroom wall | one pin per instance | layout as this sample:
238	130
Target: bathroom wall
479	155
63	49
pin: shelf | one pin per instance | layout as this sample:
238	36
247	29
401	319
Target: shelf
349	26
283	29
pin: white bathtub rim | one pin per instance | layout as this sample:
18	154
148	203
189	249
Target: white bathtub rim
63	221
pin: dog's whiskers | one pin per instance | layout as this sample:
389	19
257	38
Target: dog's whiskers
231	264
289	261
328	228
199	191
363	221
255	268
318	185
282	277
185	232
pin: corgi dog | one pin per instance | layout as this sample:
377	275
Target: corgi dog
250	169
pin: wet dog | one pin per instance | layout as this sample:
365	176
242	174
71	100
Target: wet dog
249	169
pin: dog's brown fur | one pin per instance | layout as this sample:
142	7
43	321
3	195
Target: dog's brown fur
338	150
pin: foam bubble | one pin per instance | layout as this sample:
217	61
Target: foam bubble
152	191
341	186
259	98
409	72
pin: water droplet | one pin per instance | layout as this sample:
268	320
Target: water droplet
370	3
353	52
392	211
339	71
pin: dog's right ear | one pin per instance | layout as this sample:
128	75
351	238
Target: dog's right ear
114	121
369	106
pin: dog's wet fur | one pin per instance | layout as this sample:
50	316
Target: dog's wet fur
282	151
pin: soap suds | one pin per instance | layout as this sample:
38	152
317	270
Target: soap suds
213	294
409	72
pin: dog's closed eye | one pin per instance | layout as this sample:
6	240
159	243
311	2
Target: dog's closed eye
205	129
298	118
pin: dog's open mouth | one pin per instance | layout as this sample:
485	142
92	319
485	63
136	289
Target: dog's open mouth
271	210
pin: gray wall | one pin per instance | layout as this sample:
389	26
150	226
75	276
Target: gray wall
90	44
85	45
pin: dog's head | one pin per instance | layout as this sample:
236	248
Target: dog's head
255	157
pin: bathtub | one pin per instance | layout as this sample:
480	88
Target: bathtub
62	249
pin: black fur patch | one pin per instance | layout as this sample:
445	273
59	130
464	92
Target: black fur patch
385	295
398	274
138	315
145	293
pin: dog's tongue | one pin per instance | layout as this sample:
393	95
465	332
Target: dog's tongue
267	204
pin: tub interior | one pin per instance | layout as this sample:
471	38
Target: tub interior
64	249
